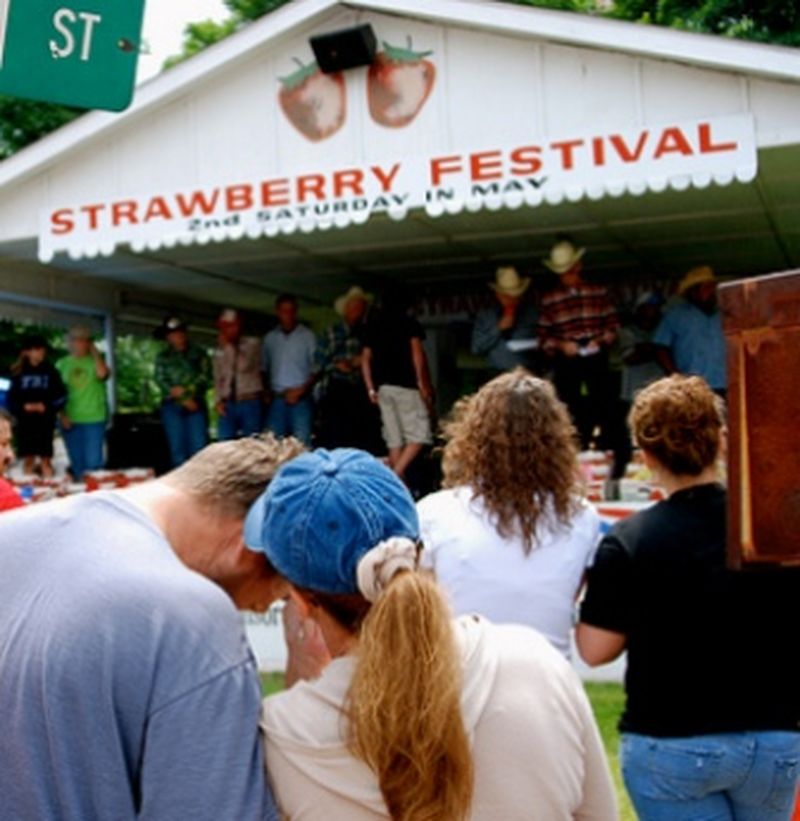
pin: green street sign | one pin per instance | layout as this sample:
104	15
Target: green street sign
79	53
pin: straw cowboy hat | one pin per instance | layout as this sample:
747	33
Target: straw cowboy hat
697	276
509	282
563	255
354	293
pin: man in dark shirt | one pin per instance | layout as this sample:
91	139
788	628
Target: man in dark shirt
347	418
395	370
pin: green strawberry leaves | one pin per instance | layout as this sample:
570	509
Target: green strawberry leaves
400	54
297	78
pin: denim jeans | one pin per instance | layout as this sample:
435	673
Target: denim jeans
241	419
84	443
728	777
186	431
291	420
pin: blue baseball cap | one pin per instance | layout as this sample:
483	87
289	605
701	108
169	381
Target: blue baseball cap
323	511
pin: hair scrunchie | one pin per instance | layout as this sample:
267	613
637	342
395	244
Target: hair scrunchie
382	563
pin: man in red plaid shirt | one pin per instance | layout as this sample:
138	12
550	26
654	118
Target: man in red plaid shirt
577	326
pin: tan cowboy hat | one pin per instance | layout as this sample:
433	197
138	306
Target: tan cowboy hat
563	255
355	292
509	282
697	276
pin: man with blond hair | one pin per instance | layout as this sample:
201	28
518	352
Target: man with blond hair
128	689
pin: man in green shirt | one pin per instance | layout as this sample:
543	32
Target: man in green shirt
83	418
183	374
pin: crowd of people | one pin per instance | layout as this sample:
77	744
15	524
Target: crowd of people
358	378
443	690
576	333
365	381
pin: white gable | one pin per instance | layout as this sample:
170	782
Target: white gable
606	110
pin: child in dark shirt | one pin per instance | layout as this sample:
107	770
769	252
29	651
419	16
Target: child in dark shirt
37	393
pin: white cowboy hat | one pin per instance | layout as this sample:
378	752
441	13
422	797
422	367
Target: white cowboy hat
563	255
356	292
509	282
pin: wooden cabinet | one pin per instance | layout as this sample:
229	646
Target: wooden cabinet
762	328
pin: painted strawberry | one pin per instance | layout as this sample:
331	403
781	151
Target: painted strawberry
315	103
400	80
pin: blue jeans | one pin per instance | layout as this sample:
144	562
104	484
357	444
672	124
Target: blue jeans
291	420
84	442
241	419
186	431
728	777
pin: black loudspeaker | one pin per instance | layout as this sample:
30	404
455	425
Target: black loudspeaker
348	48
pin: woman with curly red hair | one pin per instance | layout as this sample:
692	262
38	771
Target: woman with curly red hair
510	536
710	728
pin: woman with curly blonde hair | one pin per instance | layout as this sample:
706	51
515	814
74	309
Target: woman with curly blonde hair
510	536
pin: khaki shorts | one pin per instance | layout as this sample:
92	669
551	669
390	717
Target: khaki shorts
404	416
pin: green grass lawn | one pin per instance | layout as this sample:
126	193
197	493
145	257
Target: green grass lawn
607	702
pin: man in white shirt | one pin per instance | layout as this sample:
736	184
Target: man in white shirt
288	362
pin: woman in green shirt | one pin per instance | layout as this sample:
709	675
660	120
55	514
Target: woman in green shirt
83	418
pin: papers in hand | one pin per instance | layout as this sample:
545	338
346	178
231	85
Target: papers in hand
517	345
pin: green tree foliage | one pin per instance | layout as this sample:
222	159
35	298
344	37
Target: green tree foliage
135	359
197	36
12	334
25	121
768	21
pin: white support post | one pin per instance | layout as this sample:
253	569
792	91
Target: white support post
109	332
5	8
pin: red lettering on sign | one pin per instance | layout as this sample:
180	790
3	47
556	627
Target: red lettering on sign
62	221
124	211
673	141
275	192
239	197
707	142
157	208
486	165
444	165
385	179
351	180
310	184
197	201
566	148
599	151
526	160
622	149
93	211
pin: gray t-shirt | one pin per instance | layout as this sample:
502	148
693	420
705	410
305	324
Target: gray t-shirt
127	687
